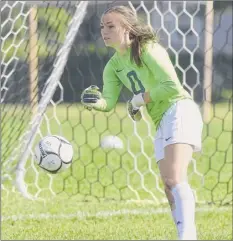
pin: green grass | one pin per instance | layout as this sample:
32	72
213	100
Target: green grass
94	222
107	177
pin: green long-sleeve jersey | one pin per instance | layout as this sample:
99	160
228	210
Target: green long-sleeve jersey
156	76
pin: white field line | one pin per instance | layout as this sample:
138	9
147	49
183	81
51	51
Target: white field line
103	214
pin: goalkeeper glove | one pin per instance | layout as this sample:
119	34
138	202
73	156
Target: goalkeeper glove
92	98
134	105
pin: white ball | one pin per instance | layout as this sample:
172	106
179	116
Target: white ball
54	153
111	142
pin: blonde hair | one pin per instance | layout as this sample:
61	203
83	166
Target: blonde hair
139	32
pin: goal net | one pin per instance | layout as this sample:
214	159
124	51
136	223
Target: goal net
51	51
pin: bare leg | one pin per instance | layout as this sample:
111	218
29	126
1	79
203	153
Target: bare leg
173	169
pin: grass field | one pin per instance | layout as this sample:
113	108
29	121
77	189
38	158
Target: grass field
107	177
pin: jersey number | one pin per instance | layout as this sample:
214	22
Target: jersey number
133	78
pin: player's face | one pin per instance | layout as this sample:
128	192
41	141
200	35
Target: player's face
112	30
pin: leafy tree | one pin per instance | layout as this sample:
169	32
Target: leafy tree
52	28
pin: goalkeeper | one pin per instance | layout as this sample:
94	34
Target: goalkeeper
144	67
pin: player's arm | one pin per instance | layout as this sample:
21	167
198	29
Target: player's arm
158	61
112	86
105	101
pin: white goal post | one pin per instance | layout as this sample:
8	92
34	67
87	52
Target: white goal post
52	50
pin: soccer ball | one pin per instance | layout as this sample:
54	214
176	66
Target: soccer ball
111	142
54	153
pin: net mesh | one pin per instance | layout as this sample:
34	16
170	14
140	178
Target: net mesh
31	38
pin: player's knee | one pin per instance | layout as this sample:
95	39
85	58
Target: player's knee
170	183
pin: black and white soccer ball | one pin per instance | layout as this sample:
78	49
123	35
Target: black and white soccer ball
54	153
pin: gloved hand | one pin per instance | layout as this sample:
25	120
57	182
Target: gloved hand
134	105
134	113
91	98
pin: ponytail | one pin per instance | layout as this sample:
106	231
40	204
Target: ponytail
140	35
136	50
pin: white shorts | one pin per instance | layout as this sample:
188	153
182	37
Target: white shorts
181	123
